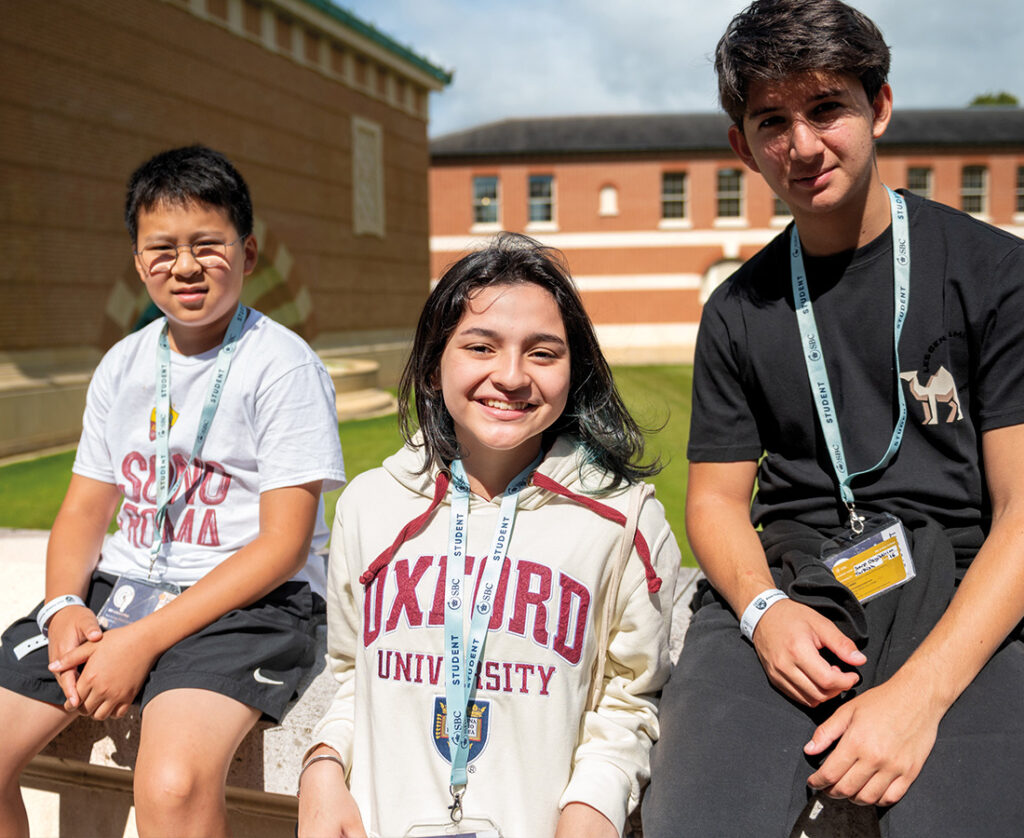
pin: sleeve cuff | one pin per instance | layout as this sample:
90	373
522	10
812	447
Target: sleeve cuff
601	786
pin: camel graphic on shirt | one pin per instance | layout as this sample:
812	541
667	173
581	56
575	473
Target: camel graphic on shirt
939	388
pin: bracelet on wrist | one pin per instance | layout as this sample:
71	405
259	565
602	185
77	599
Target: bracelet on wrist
756	609
310	761
50	608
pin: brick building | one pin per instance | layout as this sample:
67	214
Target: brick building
654	211
325	116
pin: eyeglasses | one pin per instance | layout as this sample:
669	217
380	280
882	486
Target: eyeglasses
158	259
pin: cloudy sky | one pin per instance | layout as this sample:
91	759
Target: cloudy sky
514	58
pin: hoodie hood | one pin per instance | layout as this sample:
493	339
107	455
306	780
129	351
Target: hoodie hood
565	472
566	463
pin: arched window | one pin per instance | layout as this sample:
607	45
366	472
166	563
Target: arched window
608	200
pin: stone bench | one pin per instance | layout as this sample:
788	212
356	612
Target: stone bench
81	784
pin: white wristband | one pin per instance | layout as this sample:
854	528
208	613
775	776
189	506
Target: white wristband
755	611
53	606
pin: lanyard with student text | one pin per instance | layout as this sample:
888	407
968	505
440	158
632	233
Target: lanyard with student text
814	356
164	492
463	659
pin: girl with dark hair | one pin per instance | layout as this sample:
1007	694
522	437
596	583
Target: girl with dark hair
513	691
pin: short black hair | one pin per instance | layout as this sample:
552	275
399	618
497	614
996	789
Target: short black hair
192	174
773	39
594	413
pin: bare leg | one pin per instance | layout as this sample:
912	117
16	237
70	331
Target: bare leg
26	726
188	739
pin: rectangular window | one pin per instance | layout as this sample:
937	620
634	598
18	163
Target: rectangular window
730	193
673	195
919	181
542	198
485	199
1019	203
779	208
973	182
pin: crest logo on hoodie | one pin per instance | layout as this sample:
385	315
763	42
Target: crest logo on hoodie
478	718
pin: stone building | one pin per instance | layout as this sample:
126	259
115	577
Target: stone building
654	211
325	116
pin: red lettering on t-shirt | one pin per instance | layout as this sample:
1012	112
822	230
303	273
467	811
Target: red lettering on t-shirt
208	535
184	533
131	462
216	483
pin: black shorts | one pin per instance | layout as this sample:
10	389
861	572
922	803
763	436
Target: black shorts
256	655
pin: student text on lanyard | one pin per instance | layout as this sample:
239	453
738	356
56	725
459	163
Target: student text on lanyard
463	658
814	356
165	492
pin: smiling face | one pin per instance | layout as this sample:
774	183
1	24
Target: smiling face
505	375
198	301
811	136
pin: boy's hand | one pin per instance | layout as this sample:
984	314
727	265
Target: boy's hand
788	640
67	630
884	737
113	672
578	820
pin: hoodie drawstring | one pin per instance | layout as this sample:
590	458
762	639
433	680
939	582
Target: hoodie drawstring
605	511
539	480
408	531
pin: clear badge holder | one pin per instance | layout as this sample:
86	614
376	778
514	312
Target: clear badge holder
132	599
465	828
873	561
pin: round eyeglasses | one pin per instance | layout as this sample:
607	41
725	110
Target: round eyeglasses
159	259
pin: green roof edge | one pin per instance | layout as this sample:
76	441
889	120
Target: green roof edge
365	29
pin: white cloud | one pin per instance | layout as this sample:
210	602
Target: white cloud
536	58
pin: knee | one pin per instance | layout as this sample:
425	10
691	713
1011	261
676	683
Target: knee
170	785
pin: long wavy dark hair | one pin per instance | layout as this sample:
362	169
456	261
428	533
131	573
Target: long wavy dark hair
594	413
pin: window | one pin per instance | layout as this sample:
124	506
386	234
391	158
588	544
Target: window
779	208
485	199
972	189
608	201
1019	204
919	181
541	200
730	193
673	195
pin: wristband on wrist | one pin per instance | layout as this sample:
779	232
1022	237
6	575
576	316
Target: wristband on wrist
310	761
755	611
52	607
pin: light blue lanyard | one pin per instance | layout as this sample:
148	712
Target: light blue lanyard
163	419
814	355
461	662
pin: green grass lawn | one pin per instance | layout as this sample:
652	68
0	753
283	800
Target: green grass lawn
659	397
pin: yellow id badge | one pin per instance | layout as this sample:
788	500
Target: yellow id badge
874	561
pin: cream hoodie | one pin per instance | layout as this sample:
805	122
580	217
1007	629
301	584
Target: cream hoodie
536	747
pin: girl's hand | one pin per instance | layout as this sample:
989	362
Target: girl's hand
789	639
67	630
326	806
114	670
578	820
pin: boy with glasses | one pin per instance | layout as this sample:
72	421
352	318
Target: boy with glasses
214	430
858	633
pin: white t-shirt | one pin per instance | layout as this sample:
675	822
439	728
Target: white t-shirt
275	426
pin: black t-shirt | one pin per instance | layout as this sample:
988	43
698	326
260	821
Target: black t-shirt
962	349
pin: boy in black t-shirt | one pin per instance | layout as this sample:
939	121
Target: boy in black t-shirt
865	370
